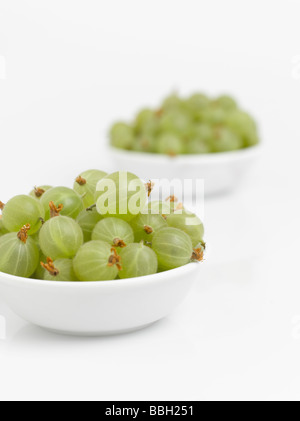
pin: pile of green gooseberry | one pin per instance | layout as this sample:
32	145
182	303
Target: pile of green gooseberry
194	125
63	234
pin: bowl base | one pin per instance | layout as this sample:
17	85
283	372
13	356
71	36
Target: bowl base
100	333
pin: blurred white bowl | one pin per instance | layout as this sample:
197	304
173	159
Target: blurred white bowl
98	308
220	171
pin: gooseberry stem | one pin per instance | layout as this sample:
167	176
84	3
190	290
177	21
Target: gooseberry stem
159	112
90	208
198	255
23	233
55	211
49	266
114	259
171	199
2	205
81	181
38	192
149	187
119	243
148	229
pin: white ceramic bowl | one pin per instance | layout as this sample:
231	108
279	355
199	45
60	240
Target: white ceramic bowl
98	308
220	171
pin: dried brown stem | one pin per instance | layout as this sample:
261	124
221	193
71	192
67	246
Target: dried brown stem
119	243
49	266
55	211
159	112
81	181
149	187
148	229
38	192
2	205
114	259
23	233
198	254
171	199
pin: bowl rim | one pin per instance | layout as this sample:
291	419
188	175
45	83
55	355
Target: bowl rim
141	280
189	158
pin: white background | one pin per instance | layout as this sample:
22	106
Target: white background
67	70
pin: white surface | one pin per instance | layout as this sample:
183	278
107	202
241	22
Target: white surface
98	308
71	68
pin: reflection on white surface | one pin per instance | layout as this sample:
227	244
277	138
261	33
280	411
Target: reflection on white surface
10	324
2	327
296	67
296	327
2	67
229	331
